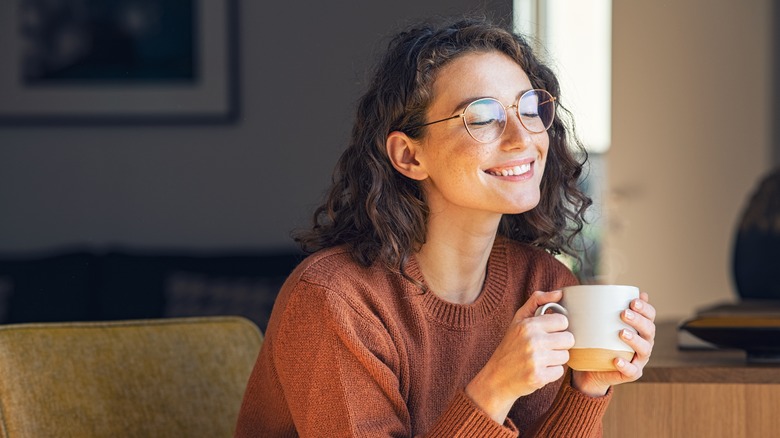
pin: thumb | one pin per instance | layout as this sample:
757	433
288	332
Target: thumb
536	300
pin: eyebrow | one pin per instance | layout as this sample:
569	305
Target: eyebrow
462	104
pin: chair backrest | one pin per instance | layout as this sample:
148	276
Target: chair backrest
179	377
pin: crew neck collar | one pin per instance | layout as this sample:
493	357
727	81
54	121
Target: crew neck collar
463	316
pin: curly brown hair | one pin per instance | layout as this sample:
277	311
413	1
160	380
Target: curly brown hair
379	213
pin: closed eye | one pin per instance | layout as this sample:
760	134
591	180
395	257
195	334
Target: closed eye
482	122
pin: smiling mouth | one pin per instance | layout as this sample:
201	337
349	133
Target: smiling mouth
510	171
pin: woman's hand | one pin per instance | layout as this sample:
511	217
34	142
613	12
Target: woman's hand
531	355
640	316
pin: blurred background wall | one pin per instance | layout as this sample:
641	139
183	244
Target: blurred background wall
693	118
693	112
242	185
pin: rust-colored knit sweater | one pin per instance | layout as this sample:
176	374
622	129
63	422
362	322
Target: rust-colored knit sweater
355	351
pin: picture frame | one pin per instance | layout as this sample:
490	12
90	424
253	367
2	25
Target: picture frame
175	62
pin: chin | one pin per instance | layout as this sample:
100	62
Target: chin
520	209
527	203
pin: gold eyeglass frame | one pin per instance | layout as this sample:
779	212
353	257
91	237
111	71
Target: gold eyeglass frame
515	105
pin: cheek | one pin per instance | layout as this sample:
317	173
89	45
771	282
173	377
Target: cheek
457	156
544	146
544	152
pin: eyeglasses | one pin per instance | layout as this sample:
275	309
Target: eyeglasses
485	118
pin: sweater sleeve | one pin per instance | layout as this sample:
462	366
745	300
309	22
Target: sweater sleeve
572	414
340	375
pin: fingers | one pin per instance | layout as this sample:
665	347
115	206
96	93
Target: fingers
641	346
640	316
555	372
552	322
560	341
641	305
642	341
536	300
557	358
630	370
545	375
548	367
531	354
545	333
644	326
642	319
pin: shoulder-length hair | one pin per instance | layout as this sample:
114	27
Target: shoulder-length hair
381	214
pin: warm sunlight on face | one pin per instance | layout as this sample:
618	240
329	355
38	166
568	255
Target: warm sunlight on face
466	177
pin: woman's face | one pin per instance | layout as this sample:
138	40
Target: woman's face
466	176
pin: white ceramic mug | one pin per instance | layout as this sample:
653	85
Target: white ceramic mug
594	320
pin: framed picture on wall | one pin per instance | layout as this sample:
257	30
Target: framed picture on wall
119	61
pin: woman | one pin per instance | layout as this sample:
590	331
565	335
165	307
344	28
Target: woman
415	315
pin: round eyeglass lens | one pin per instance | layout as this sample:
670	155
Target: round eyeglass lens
536	110
485	119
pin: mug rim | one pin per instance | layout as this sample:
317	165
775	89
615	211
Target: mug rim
601	286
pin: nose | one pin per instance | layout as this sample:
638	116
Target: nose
515	134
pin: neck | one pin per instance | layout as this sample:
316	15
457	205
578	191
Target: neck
454	258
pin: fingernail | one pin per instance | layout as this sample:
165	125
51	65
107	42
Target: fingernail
629	314
628	334
621	363
638	305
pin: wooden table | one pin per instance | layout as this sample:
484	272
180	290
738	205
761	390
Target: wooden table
696	394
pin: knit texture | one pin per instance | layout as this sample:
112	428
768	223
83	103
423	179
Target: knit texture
356	351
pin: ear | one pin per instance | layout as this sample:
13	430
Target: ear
402	152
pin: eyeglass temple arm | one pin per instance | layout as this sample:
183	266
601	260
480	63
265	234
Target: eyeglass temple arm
436	121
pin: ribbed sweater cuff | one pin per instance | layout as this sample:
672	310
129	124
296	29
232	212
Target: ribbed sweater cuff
463	418
574	414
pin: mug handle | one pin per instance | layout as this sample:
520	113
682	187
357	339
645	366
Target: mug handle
554	306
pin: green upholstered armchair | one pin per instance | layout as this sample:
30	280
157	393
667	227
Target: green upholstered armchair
179	377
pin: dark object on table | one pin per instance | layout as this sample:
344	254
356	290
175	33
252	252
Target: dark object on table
752	325
756	254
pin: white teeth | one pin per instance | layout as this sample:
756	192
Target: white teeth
512	171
